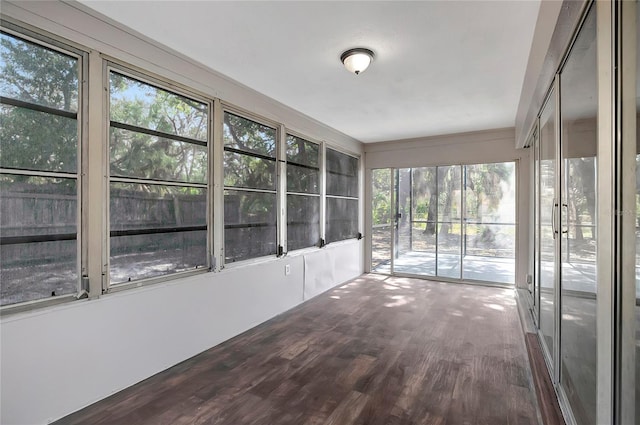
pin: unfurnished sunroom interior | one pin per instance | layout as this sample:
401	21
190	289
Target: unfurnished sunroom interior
207	217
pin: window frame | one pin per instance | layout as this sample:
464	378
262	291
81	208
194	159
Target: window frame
326	195
277	191
53	43
157	82
319	195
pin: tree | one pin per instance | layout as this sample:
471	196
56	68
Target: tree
30	139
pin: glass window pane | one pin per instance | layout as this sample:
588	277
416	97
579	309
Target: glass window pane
36	74
546	259
579	109
38	227
143	105
417	202
449	225
303	152
342	174
381	210
37	141
302	179
303	221
140	155
637	403
142	206
488	246
342	219
249	136
249	224
138	257
249	171
156	230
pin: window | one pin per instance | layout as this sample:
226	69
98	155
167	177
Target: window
158	180
303	193
342	196
250	180
39	170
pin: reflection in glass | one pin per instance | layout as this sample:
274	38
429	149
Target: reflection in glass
579	93
546	266
39	229
381	212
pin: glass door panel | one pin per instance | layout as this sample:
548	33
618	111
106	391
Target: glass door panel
579	107
416	208
403	217
488	248
536	227
449	243
546	259
637	229
417	247
382	220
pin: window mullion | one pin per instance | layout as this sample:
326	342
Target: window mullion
281	155
217	178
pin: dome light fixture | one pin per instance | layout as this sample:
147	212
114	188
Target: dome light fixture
357	60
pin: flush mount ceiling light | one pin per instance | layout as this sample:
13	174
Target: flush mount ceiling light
357	60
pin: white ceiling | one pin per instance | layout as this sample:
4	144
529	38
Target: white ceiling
441	66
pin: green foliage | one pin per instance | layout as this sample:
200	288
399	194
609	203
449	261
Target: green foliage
136	154
37	140
37	75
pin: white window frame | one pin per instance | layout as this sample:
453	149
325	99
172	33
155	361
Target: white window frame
319	195
280	180
51	42
110	65
326	195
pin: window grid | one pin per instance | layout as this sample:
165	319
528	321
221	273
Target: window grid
341	196
136	180
156	220
41	177
303	198
250	150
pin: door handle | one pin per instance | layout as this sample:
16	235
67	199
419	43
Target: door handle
553	218
565	231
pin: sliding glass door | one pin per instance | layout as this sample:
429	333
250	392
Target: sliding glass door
565	162
382	219
453	222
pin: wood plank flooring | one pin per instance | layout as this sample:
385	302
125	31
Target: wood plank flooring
548	402
377	351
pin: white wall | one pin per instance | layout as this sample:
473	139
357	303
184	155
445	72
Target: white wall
463	148
59	359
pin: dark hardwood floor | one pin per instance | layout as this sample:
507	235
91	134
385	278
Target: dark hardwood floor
378	350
